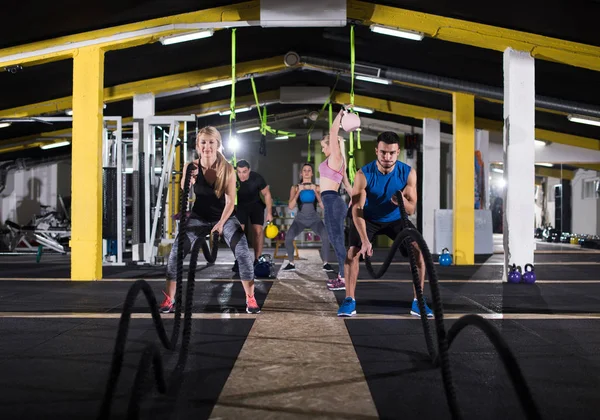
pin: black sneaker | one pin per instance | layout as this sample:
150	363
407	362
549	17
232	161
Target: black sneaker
289	267
327	267
235	268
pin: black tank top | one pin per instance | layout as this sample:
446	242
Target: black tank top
208	206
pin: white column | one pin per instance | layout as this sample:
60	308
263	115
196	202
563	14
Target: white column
431	178
143	107
519	158
482	143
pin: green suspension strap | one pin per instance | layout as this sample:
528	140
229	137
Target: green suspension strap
232	131
264	127
309	143
330	114
351	159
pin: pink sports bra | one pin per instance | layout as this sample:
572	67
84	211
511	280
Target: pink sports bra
326	172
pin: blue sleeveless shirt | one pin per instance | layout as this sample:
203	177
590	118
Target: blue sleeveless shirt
381	188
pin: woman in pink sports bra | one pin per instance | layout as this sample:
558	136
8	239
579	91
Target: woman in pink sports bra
332	173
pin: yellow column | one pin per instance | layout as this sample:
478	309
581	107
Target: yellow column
463	121
86	206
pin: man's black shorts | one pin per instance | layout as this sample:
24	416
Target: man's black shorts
254	211
391	229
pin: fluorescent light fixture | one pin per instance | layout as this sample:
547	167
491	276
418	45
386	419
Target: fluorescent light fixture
54	145
583	119
401	33
247	130
233	143
186	37
539	143
498	170
548	165
282	138
218	83
373	79
363	110
5	124
237	111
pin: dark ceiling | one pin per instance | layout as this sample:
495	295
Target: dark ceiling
574	21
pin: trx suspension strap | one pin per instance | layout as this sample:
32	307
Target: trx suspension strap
232	131
351	160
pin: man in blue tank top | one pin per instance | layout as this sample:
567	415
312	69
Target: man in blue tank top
375	212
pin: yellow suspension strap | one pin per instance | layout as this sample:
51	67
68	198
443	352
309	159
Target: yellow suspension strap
232	130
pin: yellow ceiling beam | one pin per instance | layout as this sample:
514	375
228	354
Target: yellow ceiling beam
156	85
391	107
126	36
554	173
377	104
588	166
477	34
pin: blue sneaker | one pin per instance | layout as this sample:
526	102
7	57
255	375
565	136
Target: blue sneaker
348	307
415	309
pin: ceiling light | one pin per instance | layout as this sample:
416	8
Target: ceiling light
282	138
5	124
218	83
539	143
237	111
247	130
374	80
498	170
233	143
401	33
548	165
53	145
363	110
186	37
584	119
69	112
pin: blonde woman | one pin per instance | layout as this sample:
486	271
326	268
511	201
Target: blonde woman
333	173
213	180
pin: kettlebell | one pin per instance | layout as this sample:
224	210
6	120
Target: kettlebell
350	121
271	231
445	258
529	274
514	275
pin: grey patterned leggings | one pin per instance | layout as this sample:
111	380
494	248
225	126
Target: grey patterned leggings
234	237
317	226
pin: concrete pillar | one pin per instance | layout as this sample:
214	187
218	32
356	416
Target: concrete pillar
86	180
431	177
519	158
143	107
482	143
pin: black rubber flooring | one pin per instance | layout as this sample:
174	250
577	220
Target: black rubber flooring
108	296
58	368
557	298
560	360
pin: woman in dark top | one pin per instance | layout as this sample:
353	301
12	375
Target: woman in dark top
213	180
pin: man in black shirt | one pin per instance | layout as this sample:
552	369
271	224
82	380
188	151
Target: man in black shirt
249	205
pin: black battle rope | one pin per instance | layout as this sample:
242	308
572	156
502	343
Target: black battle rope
151	356
408	237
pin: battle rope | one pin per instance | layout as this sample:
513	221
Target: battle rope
151	355
408	237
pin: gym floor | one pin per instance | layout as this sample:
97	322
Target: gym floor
297	359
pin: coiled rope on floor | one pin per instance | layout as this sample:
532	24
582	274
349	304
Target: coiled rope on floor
408	237
151	356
